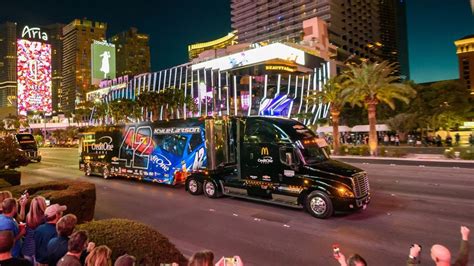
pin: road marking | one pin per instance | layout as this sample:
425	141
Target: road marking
287	226
256	219
235	214
421	165
212	210
392	164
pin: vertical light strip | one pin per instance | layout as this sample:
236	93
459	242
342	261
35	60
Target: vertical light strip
185	91
164	79
159	82
180	76
227	92
302	95
235	95
289	85
219	83
307	101
250	96
154	81
175	75
199	92
205	93
278	84
212	92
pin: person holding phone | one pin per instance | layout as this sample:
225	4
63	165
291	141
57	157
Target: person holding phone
353	260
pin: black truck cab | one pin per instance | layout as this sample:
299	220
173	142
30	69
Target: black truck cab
28	144
279	161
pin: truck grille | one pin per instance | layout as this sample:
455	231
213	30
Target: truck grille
31	154
361	184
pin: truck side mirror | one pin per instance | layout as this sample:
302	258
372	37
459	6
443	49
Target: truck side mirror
289	158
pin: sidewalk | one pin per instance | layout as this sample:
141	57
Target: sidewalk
413	159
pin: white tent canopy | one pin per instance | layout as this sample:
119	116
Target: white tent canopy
365	128
357	128
329	129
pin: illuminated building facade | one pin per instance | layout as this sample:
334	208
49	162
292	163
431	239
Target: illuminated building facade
360	29
8	88
465	52
55	33
76	65
133	52
195	49
269	80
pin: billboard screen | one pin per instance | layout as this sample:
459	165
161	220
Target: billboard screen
103	61
34	76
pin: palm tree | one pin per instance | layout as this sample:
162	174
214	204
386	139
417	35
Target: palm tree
332	94
370	84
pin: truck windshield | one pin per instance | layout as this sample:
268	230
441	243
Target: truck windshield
26	141
312	154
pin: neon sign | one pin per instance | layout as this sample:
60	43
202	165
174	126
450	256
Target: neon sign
34	33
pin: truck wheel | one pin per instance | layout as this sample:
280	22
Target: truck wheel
88	169
106	172
319	205
211	190
194	187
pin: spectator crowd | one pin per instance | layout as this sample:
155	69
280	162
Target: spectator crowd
43	236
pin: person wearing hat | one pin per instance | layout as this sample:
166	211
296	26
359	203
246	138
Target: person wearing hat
125	260
47	231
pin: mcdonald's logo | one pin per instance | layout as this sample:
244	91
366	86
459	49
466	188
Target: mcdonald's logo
264	151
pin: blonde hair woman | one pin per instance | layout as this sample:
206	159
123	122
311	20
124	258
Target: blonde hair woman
100	256
4	195
34	218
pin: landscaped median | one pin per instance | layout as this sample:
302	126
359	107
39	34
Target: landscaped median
79	197
137	239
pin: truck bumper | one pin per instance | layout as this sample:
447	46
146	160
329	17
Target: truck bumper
345	204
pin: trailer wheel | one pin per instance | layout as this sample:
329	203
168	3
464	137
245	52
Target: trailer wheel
194	187
319	205
211	190
88	169
105	172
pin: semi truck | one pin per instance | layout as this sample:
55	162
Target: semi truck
265	159
28	144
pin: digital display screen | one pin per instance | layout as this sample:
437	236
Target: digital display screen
34	77
103	61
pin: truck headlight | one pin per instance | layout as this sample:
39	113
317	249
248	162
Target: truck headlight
345	193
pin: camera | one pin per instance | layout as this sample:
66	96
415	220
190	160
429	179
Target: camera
336	250
48	202
230	261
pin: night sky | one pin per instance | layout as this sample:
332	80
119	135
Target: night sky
433	25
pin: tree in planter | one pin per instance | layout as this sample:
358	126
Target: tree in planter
332	94
370	84
11	157
124	110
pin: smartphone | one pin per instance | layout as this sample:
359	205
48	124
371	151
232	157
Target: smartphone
229	261
48	202
335	250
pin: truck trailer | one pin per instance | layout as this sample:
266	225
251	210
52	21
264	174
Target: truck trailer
266	159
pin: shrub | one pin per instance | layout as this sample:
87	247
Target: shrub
463	153
125	236
79	197
10	178
11	156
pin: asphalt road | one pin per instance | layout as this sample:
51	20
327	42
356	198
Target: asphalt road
409	204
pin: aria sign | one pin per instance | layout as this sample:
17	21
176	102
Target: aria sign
34	33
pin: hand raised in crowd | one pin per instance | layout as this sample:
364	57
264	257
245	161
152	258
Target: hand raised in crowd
415	251
341	259
465	233
90	246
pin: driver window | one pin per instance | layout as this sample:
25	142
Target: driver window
288	156
258	131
